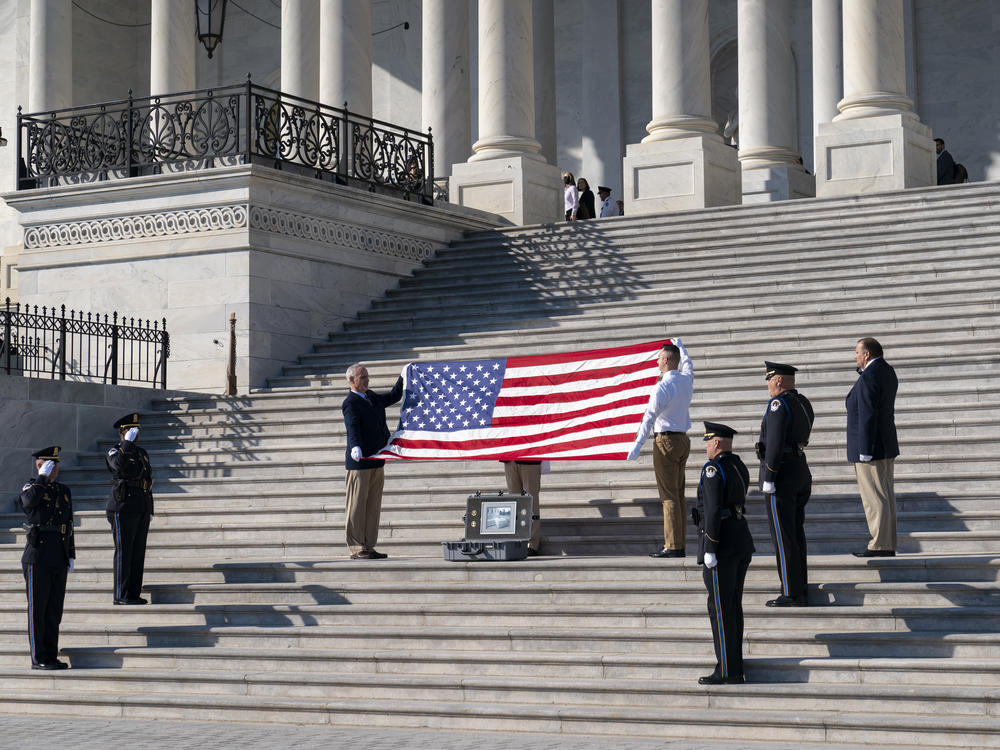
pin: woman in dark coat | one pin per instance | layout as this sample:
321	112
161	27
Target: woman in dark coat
586	210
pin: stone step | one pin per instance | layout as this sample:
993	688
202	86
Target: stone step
808	727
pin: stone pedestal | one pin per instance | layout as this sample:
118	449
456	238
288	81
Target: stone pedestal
768	184
693	172
891	152
520	189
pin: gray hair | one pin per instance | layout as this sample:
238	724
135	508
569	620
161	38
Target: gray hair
353	370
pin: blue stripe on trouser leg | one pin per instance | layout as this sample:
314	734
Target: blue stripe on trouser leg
782	571
119	594
31	613
718	621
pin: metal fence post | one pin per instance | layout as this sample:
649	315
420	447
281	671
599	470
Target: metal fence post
114	349
164	355
62	343
6	336
231	371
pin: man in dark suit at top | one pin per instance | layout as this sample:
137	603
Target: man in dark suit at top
367	434
945	164
872	446
785	479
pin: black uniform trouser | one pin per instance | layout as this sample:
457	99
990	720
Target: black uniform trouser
725	609
129	531
786	516
45	586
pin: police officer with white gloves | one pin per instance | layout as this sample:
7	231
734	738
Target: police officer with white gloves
49	555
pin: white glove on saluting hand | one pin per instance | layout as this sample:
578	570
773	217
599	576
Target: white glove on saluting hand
865	459
711	560
634	453
132	434
72	564
47	468
767	488
356	453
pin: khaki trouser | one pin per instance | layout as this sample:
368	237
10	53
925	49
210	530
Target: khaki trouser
879	500
670	454
527	478
364	507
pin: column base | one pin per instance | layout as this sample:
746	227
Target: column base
673	175
871	154
768	184
521	189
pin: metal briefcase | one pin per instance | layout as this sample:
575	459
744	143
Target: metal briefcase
497	527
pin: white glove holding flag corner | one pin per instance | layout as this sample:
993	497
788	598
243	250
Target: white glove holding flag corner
356	453
634	453
711	560
132	434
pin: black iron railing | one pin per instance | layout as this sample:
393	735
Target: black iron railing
214	127
39	343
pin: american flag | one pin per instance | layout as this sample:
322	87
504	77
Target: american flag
576	405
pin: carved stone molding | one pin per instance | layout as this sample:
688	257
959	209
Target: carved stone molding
219	218
337	233
144	226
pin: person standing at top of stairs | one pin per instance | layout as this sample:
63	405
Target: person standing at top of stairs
367	434
785	479
129	509
668	415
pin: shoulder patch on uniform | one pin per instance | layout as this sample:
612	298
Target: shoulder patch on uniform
710	471
26	487
775	405
112	452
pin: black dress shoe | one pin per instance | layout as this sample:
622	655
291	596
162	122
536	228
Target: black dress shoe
59	664
668	553
876	553
362	555
49	666
532	552
788	601
137	600
373	555
714	679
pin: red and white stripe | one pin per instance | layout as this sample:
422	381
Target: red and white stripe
576	405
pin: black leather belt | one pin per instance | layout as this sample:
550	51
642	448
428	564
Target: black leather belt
669	432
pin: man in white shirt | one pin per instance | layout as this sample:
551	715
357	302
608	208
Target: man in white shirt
668	417
608	206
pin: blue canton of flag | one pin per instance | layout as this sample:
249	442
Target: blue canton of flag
451	396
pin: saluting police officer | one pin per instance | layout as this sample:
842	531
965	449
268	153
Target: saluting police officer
785	479
725	547
129	509
50	553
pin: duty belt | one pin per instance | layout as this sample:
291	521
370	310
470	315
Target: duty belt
734	512
61	528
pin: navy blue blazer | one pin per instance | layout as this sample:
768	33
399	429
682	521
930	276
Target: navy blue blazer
365	420
871	425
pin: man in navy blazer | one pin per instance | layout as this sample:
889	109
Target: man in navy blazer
367	434
872	445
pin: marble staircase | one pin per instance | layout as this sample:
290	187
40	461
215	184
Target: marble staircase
257	614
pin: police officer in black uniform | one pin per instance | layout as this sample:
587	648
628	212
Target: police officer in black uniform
785	479
49	555
725	547
129	509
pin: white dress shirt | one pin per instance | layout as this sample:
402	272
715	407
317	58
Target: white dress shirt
572	196
670	401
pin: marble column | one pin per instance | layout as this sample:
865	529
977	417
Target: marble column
300	48
544	30
603	143
827	61
173	39
50	58
876	142
767	152
683	162
345	54
444	97
506	175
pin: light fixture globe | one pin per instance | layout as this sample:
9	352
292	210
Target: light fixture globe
210	16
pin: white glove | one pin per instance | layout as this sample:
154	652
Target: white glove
711	560
767	488
47	468
402	373
356	453
865	459
72	564
132	434
634	453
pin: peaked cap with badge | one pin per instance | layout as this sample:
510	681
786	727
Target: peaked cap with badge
51	453
129	420
776	368
717	430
